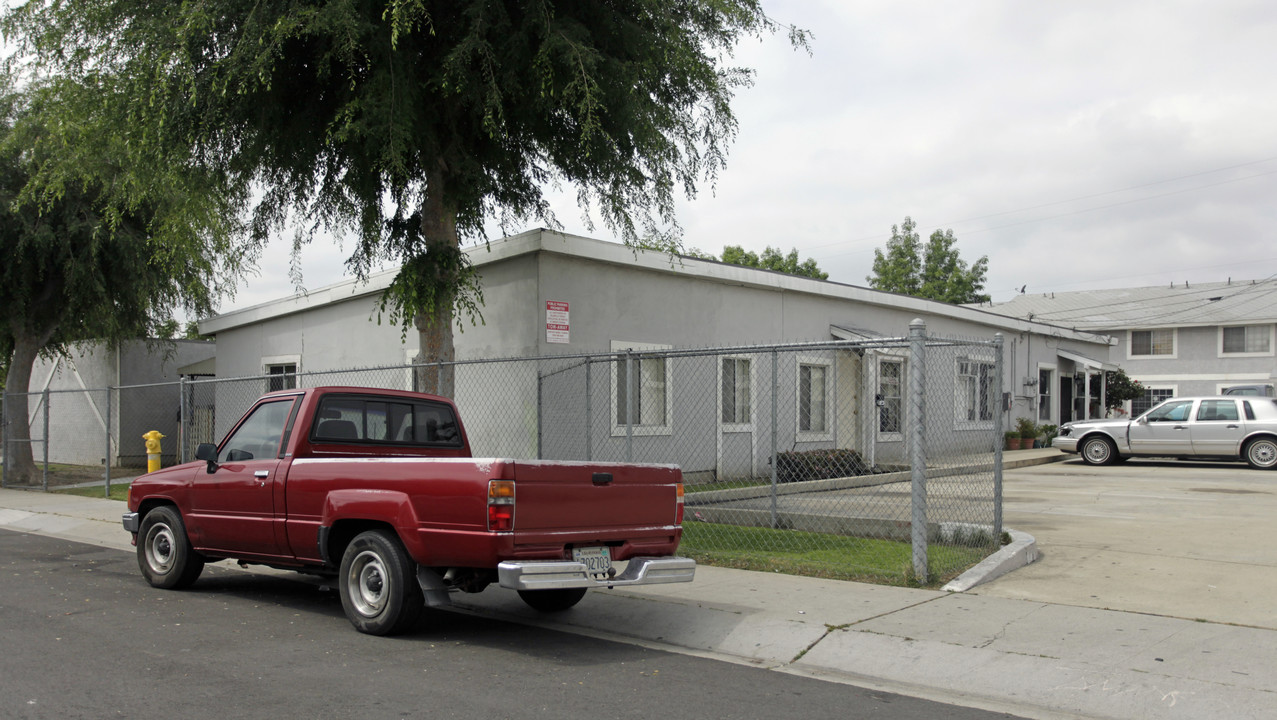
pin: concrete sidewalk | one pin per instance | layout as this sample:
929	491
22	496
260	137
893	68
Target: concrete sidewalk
1027	658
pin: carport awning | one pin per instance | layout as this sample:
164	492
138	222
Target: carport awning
1085	361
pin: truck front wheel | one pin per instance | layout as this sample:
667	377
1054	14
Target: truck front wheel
164	552
552	600
379	589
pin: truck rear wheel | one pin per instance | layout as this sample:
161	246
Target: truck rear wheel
378	584
552	600
164	552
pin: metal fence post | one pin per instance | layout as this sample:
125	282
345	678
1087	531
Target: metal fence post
917	447
106	461
629	405
589	416
775	437
45	483
540	418
4	434
181	420
998	341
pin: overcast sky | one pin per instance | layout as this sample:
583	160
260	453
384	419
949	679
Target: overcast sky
1078	144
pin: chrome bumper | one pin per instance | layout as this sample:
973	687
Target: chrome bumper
1065	444
131	522
555	574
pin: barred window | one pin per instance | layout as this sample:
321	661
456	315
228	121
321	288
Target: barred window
976	390
735	391
811	398
890	398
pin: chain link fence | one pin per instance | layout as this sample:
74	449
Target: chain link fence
873	460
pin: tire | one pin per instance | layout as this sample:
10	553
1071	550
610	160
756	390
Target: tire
164	552
378	584
552	600
1261	453
1098	450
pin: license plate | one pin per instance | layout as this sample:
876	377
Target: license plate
597	560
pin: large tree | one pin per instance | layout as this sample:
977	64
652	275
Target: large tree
87	257
409	123
935	271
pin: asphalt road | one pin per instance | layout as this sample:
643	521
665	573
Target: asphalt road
1187	539
85	637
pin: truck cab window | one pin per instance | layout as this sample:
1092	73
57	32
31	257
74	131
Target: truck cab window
257	438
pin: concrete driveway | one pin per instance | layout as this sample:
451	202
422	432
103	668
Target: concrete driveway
1194	540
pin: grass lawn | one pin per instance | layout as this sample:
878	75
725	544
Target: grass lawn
119	491
837	557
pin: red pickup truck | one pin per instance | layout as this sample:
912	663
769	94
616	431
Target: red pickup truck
377	488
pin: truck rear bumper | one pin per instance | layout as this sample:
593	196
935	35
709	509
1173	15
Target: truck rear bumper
556	574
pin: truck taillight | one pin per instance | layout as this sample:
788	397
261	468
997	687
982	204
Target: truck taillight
678	504
500	506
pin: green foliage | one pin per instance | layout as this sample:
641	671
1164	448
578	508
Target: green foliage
409	123
1026	428
1119	387
935	271
773	259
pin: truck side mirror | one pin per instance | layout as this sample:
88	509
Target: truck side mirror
208	453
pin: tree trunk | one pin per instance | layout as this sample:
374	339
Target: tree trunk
434	330
18	455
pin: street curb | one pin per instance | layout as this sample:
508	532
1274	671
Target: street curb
1022	550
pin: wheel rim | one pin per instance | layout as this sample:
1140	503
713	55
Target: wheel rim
1263	453
367	584
159	548
1097	451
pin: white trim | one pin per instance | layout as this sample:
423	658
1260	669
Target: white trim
959	399
1219	345
748	425
814	435
619	429
1186	377
1130	348
1054	394
879	435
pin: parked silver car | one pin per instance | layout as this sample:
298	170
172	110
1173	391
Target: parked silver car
1228	427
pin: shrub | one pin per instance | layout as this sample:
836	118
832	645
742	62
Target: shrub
794	466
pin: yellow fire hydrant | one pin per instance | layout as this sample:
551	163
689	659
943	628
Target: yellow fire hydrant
152	439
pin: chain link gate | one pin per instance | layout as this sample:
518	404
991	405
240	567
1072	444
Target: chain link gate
877	460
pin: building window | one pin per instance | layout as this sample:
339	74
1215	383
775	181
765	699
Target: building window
735	391
891	375
640	389
1046	382
282	376
1153	342
1152	396
977	391
812	398
1246	340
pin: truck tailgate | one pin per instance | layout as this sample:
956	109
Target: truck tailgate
582	502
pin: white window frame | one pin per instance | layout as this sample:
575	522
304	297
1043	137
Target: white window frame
827	433
1129	405
748	424
1130	345
960	422
619	429
879	434
1268	353
270	361
1053	394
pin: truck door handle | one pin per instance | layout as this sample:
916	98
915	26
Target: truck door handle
262	474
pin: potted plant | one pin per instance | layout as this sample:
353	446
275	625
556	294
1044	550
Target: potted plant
1048	433
1028	432
1013	440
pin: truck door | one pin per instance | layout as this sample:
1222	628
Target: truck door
1163	430
233	508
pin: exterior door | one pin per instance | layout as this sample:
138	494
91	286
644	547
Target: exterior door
233	508
1217	428
1164	430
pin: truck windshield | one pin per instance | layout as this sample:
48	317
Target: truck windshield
351	418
